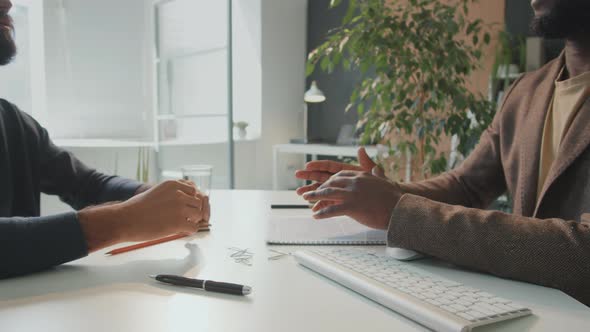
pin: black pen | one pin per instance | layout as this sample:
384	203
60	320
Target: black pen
207	285
287	206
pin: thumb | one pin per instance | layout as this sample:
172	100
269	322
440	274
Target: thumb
378	172
366	162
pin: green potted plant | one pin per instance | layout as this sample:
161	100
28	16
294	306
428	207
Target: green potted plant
416	58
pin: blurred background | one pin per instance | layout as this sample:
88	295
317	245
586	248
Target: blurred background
140	88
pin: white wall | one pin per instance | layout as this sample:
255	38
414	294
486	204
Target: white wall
97	70
247	64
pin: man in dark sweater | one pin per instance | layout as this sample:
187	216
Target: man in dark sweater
112	209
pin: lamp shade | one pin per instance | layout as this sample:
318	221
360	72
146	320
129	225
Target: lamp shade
314	94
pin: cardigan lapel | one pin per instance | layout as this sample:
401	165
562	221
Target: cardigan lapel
531	143
575	141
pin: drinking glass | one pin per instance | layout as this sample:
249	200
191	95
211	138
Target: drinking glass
201	175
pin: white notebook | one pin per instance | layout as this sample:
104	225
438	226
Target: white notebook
306	230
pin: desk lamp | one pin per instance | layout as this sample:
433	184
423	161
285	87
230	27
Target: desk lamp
312	96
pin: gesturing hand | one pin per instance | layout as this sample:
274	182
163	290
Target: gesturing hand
320	171
367	198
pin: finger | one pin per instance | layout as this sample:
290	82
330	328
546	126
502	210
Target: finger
308	188
367	164
330	166
184	187
322	205
317	176
190	228
334	210
328	194
194	202
336	182
188	182
193	215
378	172
347	174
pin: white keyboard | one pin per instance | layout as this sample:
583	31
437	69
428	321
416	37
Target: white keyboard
437	303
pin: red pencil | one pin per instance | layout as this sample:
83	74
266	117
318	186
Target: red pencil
146	244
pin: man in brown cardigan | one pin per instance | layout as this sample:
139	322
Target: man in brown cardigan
537	149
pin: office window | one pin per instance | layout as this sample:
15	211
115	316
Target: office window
192	58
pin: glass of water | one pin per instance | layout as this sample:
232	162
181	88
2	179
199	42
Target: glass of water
201	175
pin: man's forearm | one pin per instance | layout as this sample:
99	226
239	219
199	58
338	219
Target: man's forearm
102	226
448	188
33	244
527	249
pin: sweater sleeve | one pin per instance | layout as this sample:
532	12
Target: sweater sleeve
548	252
34	244
62	174
478	181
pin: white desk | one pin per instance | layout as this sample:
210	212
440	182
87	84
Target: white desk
314	150
101	293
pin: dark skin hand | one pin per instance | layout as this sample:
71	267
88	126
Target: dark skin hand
320	171
366	198
360	192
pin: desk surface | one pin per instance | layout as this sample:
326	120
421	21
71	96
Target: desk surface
101	293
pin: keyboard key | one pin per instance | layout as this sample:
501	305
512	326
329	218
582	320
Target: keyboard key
466	316
466	289
440	288
434	302
429	295
486	309
449	309
455	294
459	307
515	306
503	307
443	300
476	314
470	299
483	295
448	297
463	302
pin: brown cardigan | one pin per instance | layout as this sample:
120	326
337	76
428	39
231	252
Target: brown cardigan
546	242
